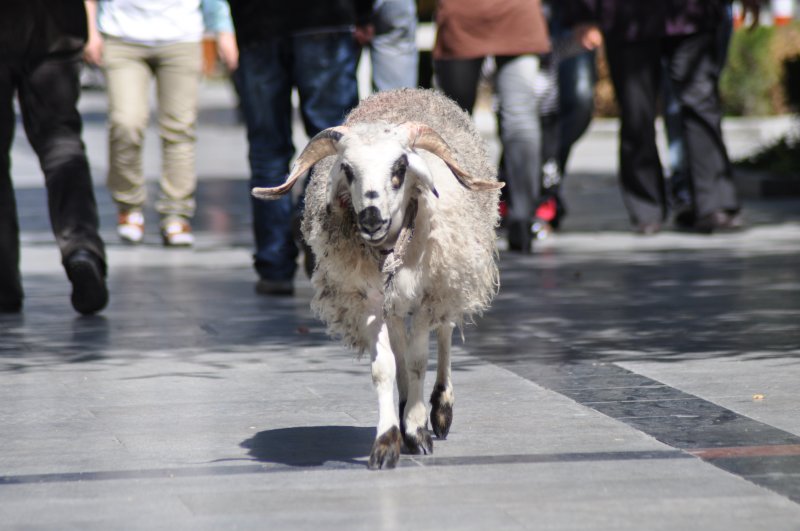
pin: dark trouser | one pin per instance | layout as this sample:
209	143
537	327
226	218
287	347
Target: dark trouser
679	181
691	63
48	92
323	69
459	80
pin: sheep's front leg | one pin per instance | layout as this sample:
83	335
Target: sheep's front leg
442	398
416	435
399	342
386	449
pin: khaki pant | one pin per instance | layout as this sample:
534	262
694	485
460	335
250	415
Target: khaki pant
129	70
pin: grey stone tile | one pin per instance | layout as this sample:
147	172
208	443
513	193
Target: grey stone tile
192	403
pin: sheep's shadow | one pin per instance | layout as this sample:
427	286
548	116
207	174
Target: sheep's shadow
311	445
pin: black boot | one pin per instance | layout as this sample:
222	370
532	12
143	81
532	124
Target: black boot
88	277
519	237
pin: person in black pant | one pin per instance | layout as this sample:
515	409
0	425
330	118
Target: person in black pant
40	57
679	188
638	36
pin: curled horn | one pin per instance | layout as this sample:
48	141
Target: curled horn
423	137
322	145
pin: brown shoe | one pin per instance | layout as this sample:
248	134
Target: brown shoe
130	225
177	232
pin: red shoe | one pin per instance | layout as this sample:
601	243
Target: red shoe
547	210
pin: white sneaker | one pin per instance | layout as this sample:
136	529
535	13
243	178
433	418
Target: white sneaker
130	226
176	232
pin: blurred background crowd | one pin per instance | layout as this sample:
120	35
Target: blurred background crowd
546	68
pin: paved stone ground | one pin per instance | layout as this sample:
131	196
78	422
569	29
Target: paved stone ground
619	382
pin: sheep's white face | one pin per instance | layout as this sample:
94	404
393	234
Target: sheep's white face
373	169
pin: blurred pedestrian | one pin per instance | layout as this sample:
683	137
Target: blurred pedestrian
514	33
135	41
565	87
393	47
682	34
40	60
312	46
680	192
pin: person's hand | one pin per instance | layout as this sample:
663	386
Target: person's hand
228	50
364	34
588	35
93	51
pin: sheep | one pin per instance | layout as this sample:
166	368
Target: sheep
401	213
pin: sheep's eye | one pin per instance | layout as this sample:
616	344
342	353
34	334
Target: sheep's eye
399	171
348	172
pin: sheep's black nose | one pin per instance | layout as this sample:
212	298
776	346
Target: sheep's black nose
370	220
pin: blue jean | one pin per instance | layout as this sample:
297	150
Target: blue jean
322	66
393	52
577	76
576	80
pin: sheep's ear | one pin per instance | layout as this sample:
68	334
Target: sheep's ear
321	146
421	136
420	168
334	185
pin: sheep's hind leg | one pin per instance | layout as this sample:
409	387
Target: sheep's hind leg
442	398
386	449
416	434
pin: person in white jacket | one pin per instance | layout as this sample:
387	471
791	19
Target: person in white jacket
135	41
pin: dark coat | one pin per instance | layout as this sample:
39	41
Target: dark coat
637	20
35	28
259	20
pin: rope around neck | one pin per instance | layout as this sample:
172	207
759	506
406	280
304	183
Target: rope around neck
390	262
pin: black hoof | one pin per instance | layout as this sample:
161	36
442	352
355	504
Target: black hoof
441	413
386	450
419	443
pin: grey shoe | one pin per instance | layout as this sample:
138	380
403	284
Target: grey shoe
274	287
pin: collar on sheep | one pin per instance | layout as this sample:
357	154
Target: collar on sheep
390	260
